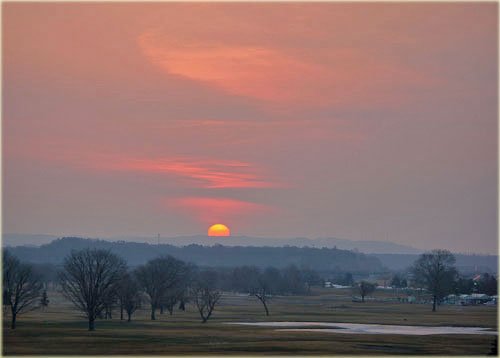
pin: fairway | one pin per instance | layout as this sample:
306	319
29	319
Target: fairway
60	330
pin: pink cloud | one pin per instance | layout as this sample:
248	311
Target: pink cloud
336	76
257	72
212	174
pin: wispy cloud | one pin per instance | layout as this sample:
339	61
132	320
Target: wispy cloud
252	71
338	76
203	173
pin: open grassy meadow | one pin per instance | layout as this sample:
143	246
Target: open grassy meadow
59	329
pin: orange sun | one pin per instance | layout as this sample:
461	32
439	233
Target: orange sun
218	230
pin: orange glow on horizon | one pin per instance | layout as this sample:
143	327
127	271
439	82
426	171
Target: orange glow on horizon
219	230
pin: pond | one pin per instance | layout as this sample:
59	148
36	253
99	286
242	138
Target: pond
359	328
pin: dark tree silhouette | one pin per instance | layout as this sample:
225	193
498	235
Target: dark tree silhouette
272	281
487	284
435	272
44	301
347	279
178	292
310	278
250	279
265	288
5	300
206	293
128	295
396	281
365	288
120	290
87	279
463	286
404	283
265	284
22	287
294	281
109	303
157	276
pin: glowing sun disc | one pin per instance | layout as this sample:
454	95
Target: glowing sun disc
218	230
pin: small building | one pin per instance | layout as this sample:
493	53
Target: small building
493	301
340	286
451	300
474	299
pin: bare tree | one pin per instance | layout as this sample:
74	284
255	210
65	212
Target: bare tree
172	296
128	295
157	276
365	288
310	278
178	293
247	279
109	303
44	301
22	287
121	288
87	279
5	301
435	272
262	284
487	284
263	290
396	281
132	303
186	284
205	293
293	280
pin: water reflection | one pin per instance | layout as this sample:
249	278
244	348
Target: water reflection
359	328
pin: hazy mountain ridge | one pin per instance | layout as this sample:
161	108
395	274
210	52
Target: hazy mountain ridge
343	244
136	253
184	248
11	240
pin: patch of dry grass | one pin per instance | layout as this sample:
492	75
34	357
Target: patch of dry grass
61	330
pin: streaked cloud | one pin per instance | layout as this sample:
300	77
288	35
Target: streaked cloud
338	76
202	173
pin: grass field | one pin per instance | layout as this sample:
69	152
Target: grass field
59	329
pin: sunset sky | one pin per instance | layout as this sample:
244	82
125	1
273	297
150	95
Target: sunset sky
350	120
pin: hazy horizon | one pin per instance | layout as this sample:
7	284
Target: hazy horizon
359	121
394	247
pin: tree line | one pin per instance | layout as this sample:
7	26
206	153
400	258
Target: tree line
435	272
98	281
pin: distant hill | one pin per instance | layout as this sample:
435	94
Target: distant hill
464	263
367	246
362	246
135	253
26	239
